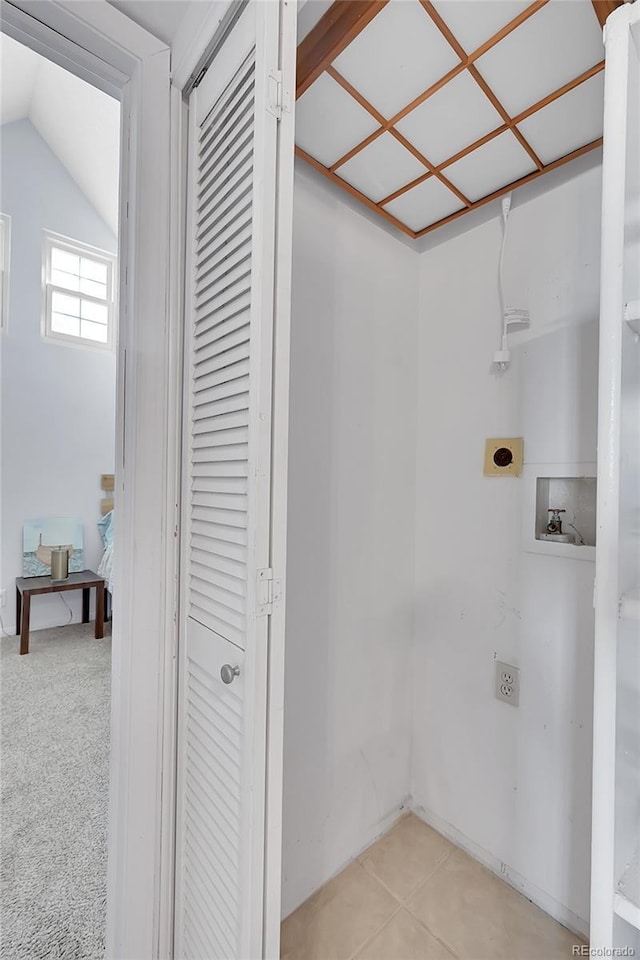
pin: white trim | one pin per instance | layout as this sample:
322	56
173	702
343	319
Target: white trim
179	126
189	175
5	270
279	480
110	260
606	594
98	43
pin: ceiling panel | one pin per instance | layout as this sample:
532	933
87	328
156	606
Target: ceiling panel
494	165
453	118
19	66
554	46
400	54
472	22
569	122
396	57
163	19
329	122
381	168
425	204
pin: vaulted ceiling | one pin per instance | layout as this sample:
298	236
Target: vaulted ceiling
426	109
79	123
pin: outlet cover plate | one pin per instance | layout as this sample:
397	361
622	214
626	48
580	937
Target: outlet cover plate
503	456
507	687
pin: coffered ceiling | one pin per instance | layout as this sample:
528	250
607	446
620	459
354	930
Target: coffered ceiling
426	109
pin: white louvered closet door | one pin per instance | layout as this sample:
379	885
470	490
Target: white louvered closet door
234	494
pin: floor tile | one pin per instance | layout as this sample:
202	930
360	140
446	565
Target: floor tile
338	919
403	938
406	855
479	917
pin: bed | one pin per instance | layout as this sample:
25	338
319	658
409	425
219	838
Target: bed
105	526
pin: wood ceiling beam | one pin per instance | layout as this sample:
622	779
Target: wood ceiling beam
604	7
336	29
355	192
580	152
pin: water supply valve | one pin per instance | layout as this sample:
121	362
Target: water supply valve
555	521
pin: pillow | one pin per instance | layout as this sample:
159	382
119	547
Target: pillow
105	526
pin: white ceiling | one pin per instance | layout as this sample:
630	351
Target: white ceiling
80	123
162	18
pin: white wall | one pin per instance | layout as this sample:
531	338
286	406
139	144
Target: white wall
350	564
58	401
512	784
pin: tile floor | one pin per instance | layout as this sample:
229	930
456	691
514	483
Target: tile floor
415	896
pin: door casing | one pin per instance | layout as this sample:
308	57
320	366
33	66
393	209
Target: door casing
99	44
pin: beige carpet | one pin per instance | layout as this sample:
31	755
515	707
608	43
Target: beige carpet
54	741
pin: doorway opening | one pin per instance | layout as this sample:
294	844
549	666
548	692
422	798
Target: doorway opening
59	148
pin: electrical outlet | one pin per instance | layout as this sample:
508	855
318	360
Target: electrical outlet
507	683
3	598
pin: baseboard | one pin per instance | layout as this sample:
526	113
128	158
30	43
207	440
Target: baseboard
381	827
502	870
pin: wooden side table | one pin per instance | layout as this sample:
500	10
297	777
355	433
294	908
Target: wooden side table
26	587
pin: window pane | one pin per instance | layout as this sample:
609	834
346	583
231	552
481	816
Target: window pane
61	303
93	270
97	312
93	289
94	331
62	279
63	260
61	323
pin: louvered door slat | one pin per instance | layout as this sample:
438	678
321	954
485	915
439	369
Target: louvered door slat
237	251
205	420
224	342
221	360
225	212
211	868
210	315
232	389
239	102
205	405
231	169
230	356
217	377
224	745
208	929
227	868
224	155
221	534
227	227
239	107
226	290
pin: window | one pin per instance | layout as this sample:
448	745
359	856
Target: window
5	259
79	292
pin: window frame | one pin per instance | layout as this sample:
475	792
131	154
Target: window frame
5	269
53	240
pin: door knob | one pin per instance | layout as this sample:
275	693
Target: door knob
227	673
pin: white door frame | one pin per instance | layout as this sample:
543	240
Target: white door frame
98	43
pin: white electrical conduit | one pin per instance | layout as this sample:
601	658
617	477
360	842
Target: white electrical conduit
501	358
